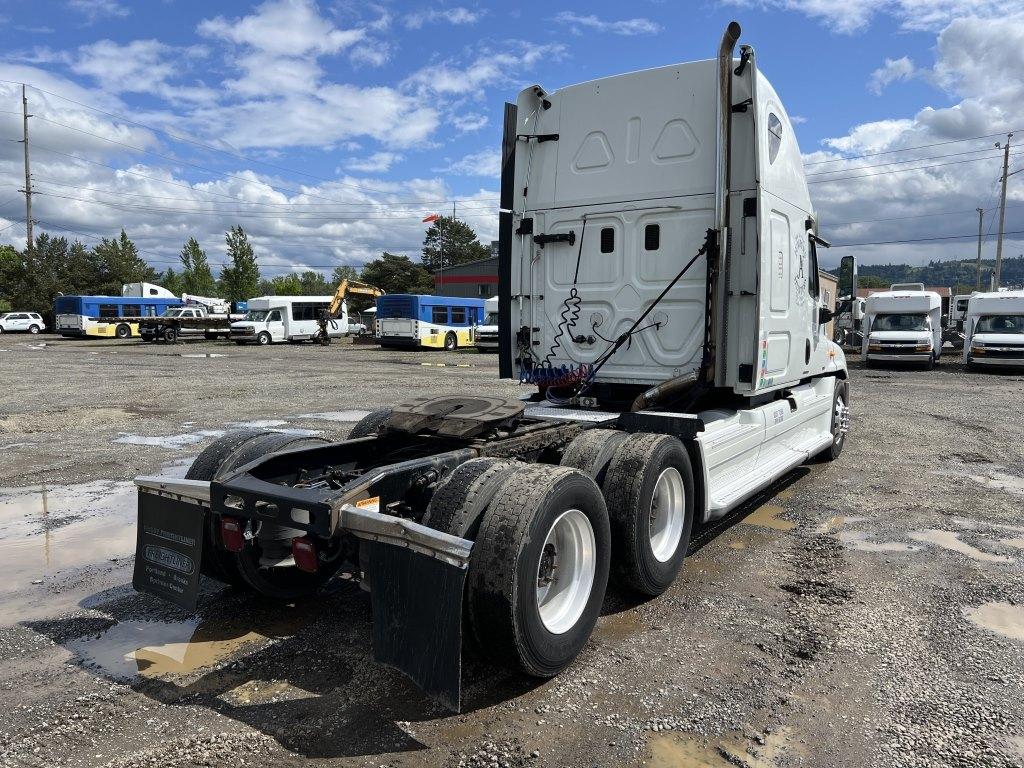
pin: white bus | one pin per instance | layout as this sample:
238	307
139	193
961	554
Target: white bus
286	318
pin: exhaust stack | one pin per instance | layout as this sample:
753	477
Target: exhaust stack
725	49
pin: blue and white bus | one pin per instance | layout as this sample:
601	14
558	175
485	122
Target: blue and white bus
103	315
438	322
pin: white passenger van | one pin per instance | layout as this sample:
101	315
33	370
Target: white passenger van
487	334
903	325
994	329
286	318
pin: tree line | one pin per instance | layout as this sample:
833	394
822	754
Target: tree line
958	274
32	278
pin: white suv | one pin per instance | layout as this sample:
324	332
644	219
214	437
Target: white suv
21	321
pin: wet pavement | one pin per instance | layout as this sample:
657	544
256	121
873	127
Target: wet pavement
865	612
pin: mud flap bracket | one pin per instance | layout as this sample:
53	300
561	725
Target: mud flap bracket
417	618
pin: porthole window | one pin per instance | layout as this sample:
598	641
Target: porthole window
652	237
774	136
607	240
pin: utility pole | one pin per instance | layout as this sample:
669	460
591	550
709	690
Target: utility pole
1002	209
981	219
28	174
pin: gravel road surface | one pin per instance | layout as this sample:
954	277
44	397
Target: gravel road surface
868	612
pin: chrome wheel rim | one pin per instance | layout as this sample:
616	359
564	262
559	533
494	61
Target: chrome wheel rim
565	573
840	420
668	512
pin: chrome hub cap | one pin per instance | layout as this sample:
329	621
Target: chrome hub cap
565	573
840	420
668	513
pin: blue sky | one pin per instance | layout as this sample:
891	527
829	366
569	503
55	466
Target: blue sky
328	129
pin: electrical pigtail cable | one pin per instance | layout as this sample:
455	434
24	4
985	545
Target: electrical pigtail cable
545	375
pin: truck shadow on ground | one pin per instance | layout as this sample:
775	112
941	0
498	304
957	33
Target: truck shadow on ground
303	674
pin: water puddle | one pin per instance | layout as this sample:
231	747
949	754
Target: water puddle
61	544
951	540
156	649
1004	619
838	521
862	542
264	692
170	442
1001	481
619	626
47	532
767	516
737	545
344	416
202	354
258	424
673	750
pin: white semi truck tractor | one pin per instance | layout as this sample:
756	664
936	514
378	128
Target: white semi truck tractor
659	303
994	330
903	325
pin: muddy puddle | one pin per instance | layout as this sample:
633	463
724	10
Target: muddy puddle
679	750
862	541
161	649
1004	619
61	544
767	516
951	540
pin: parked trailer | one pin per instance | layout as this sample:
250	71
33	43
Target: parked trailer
994	330
903	325
713	379
181	322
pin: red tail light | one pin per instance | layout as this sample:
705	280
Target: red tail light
304	552
231	534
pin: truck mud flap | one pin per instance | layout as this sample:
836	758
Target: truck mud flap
169	549
417	618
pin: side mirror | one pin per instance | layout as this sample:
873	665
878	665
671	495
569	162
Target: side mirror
824	315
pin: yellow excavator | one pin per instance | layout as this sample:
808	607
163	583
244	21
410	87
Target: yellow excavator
330	316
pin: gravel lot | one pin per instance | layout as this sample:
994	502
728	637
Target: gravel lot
866	612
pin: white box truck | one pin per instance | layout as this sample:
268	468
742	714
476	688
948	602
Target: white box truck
994	330
272	319
487	333
903	325
658	288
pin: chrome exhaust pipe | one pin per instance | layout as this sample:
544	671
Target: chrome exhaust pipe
725	49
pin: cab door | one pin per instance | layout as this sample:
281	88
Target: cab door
275	325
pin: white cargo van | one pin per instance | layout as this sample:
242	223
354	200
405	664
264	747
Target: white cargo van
487	334
903	325
994	329
286	318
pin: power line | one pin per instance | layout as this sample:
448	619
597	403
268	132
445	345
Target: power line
900	162
916	216
902	170
920	239
908	149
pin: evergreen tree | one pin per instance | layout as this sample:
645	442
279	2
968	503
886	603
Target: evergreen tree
344	273
196	276
452	242
398	274
173	282
239	280
314	284
120	263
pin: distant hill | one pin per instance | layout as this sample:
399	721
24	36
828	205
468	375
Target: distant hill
958	275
